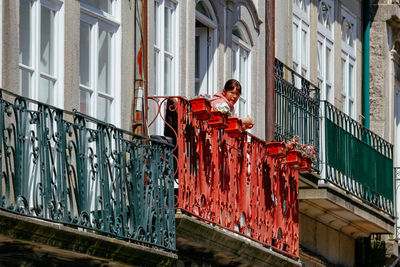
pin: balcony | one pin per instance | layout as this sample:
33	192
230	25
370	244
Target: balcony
351	189
232	199
74	183
296	107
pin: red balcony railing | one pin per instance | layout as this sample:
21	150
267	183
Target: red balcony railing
231	182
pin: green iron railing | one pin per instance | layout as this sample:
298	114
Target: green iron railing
358	160
296	107
71	169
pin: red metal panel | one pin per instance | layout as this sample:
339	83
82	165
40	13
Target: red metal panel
234	183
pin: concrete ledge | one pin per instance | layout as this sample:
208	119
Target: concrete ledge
344	212
71	245
227	248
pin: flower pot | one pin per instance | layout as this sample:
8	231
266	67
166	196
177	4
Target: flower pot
201	108
276	149
234	127
218	120
305	165
293	159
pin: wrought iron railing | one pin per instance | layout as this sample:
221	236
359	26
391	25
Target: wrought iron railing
71	169
357	159
296	107
231	182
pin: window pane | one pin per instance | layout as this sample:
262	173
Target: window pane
156	55
243	69
328	92
167	29
242	107
167	75
319	59
234	61
343	75
84	102
104	5
46	89
328	64
294	39
46	41
104	78
103	109
350	80
197	57
25	32
156	23
303	48
350	108
24	82
84	65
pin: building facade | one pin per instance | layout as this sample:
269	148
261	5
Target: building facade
82	78
325	42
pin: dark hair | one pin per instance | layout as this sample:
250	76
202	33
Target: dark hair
232	84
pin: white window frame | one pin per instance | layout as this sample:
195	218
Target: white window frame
301	19
326	38
111	23
348	55
159	50
209	87
239	46
58	40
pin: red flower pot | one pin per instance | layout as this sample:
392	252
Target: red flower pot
218	120
293	159
201	108
234	127
276	149
305	165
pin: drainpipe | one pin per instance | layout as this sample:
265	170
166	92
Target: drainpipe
365	60
270	70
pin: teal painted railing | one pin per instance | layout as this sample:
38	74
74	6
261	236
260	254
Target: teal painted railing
71	169
358	160
296	107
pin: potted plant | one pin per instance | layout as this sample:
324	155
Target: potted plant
308	156
276	149
301	156
219	116
234	127
201	108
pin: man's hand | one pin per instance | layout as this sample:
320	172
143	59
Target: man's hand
247	123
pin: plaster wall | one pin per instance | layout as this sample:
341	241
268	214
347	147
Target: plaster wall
10	73
326	245
71	55
283	31
385	28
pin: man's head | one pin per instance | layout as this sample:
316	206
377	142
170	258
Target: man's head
232	91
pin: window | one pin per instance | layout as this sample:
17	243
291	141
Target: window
241	67
165	59
205	49
300	37
325	49
348	63
100	52
41	50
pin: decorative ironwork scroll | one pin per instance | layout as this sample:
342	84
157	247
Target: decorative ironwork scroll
69	168
231	182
